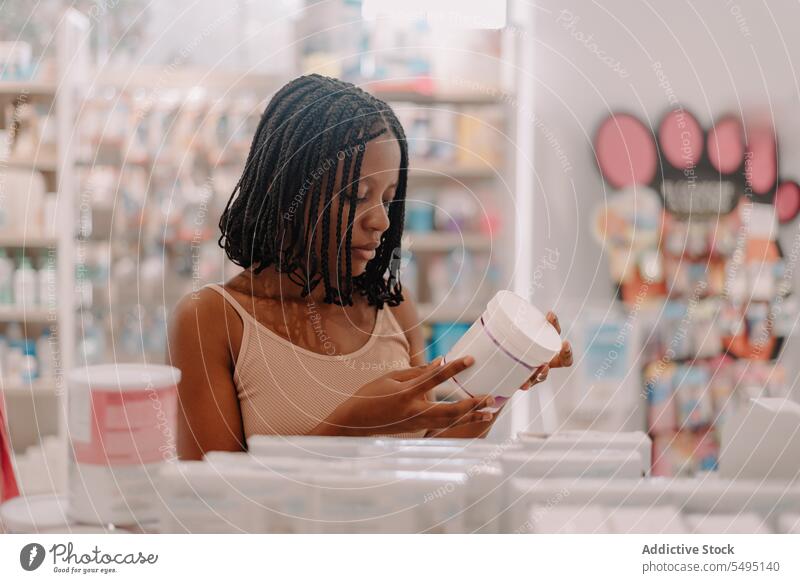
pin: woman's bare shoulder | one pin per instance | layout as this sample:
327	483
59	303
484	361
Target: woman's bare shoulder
207	313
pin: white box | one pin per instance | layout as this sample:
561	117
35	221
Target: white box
592	440
762	440
568	519
568	464
744	523
646	520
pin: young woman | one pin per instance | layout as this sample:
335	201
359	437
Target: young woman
315	335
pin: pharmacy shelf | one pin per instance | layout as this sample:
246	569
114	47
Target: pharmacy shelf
27	242
441	171
464	98
434	242
27	88
45	387
43	163
27	315
447	313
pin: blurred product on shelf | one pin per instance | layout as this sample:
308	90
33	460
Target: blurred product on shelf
21	215
16	63
25	283
25	360
444	336
6	279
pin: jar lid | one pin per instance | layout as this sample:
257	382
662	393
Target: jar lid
114	377
522	329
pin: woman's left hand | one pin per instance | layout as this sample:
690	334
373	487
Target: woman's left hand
562	359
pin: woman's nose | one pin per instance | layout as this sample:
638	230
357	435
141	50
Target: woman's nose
376	218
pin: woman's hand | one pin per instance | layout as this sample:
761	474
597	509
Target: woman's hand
397	403
562	359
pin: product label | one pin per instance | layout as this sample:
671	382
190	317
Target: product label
121	428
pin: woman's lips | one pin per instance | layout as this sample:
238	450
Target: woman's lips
363	253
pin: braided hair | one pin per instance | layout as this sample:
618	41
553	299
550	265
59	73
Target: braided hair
311	127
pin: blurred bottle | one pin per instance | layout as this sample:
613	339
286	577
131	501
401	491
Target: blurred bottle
25	288
6	278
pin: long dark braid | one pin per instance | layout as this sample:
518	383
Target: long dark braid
311	127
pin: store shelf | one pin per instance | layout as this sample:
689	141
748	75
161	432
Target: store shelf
27	88
27	241
447	313
464	98
44	387
439	242
442	171
43	163
29	315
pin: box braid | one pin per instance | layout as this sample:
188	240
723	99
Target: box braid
311	127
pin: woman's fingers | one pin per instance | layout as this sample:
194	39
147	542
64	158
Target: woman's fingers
464	411
408	374
553	319
437	375
563	358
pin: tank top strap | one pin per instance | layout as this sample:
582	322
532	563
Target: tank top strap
244	314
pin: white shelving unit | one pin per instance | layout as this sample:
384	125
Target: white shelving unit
38	408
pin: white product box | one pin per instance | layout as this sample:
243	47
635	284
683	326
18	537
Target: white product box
215	498
308	446
762	440
484	494
524	493
391	502
592	440
789	524
567	519
646	520
744	523
568	464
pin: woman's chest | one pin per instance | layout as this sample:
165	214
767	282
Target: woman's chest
325	330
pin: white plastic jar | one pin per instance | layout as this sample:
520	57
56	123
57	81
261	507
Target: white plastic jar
122	423
509	342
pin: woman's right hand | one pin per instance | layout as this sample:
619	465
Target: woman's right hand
397	403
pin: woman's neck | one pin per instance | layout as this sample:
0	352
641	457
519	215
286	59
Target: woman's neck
272	284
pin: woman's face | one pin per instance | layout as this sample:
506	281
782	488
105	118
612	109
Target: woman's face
380	171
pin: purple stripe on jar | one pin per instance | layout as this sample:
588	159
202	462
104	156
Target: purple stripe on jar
506	352
454	379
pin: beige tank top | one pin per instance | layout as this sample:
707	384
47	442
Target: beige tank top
284	389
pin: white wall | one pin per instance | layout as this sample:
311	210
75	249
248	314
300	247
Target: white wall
716	56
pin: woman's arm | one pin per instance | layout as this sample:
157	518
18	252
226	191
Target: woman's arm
204	339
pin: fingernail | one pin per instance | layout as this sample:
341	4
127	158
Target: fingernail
567	347
486	416
490	401
469	361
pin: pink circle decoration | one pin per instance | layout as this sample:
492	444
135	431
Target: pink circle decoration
625	151
787	201
761	163
681	139
725	145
